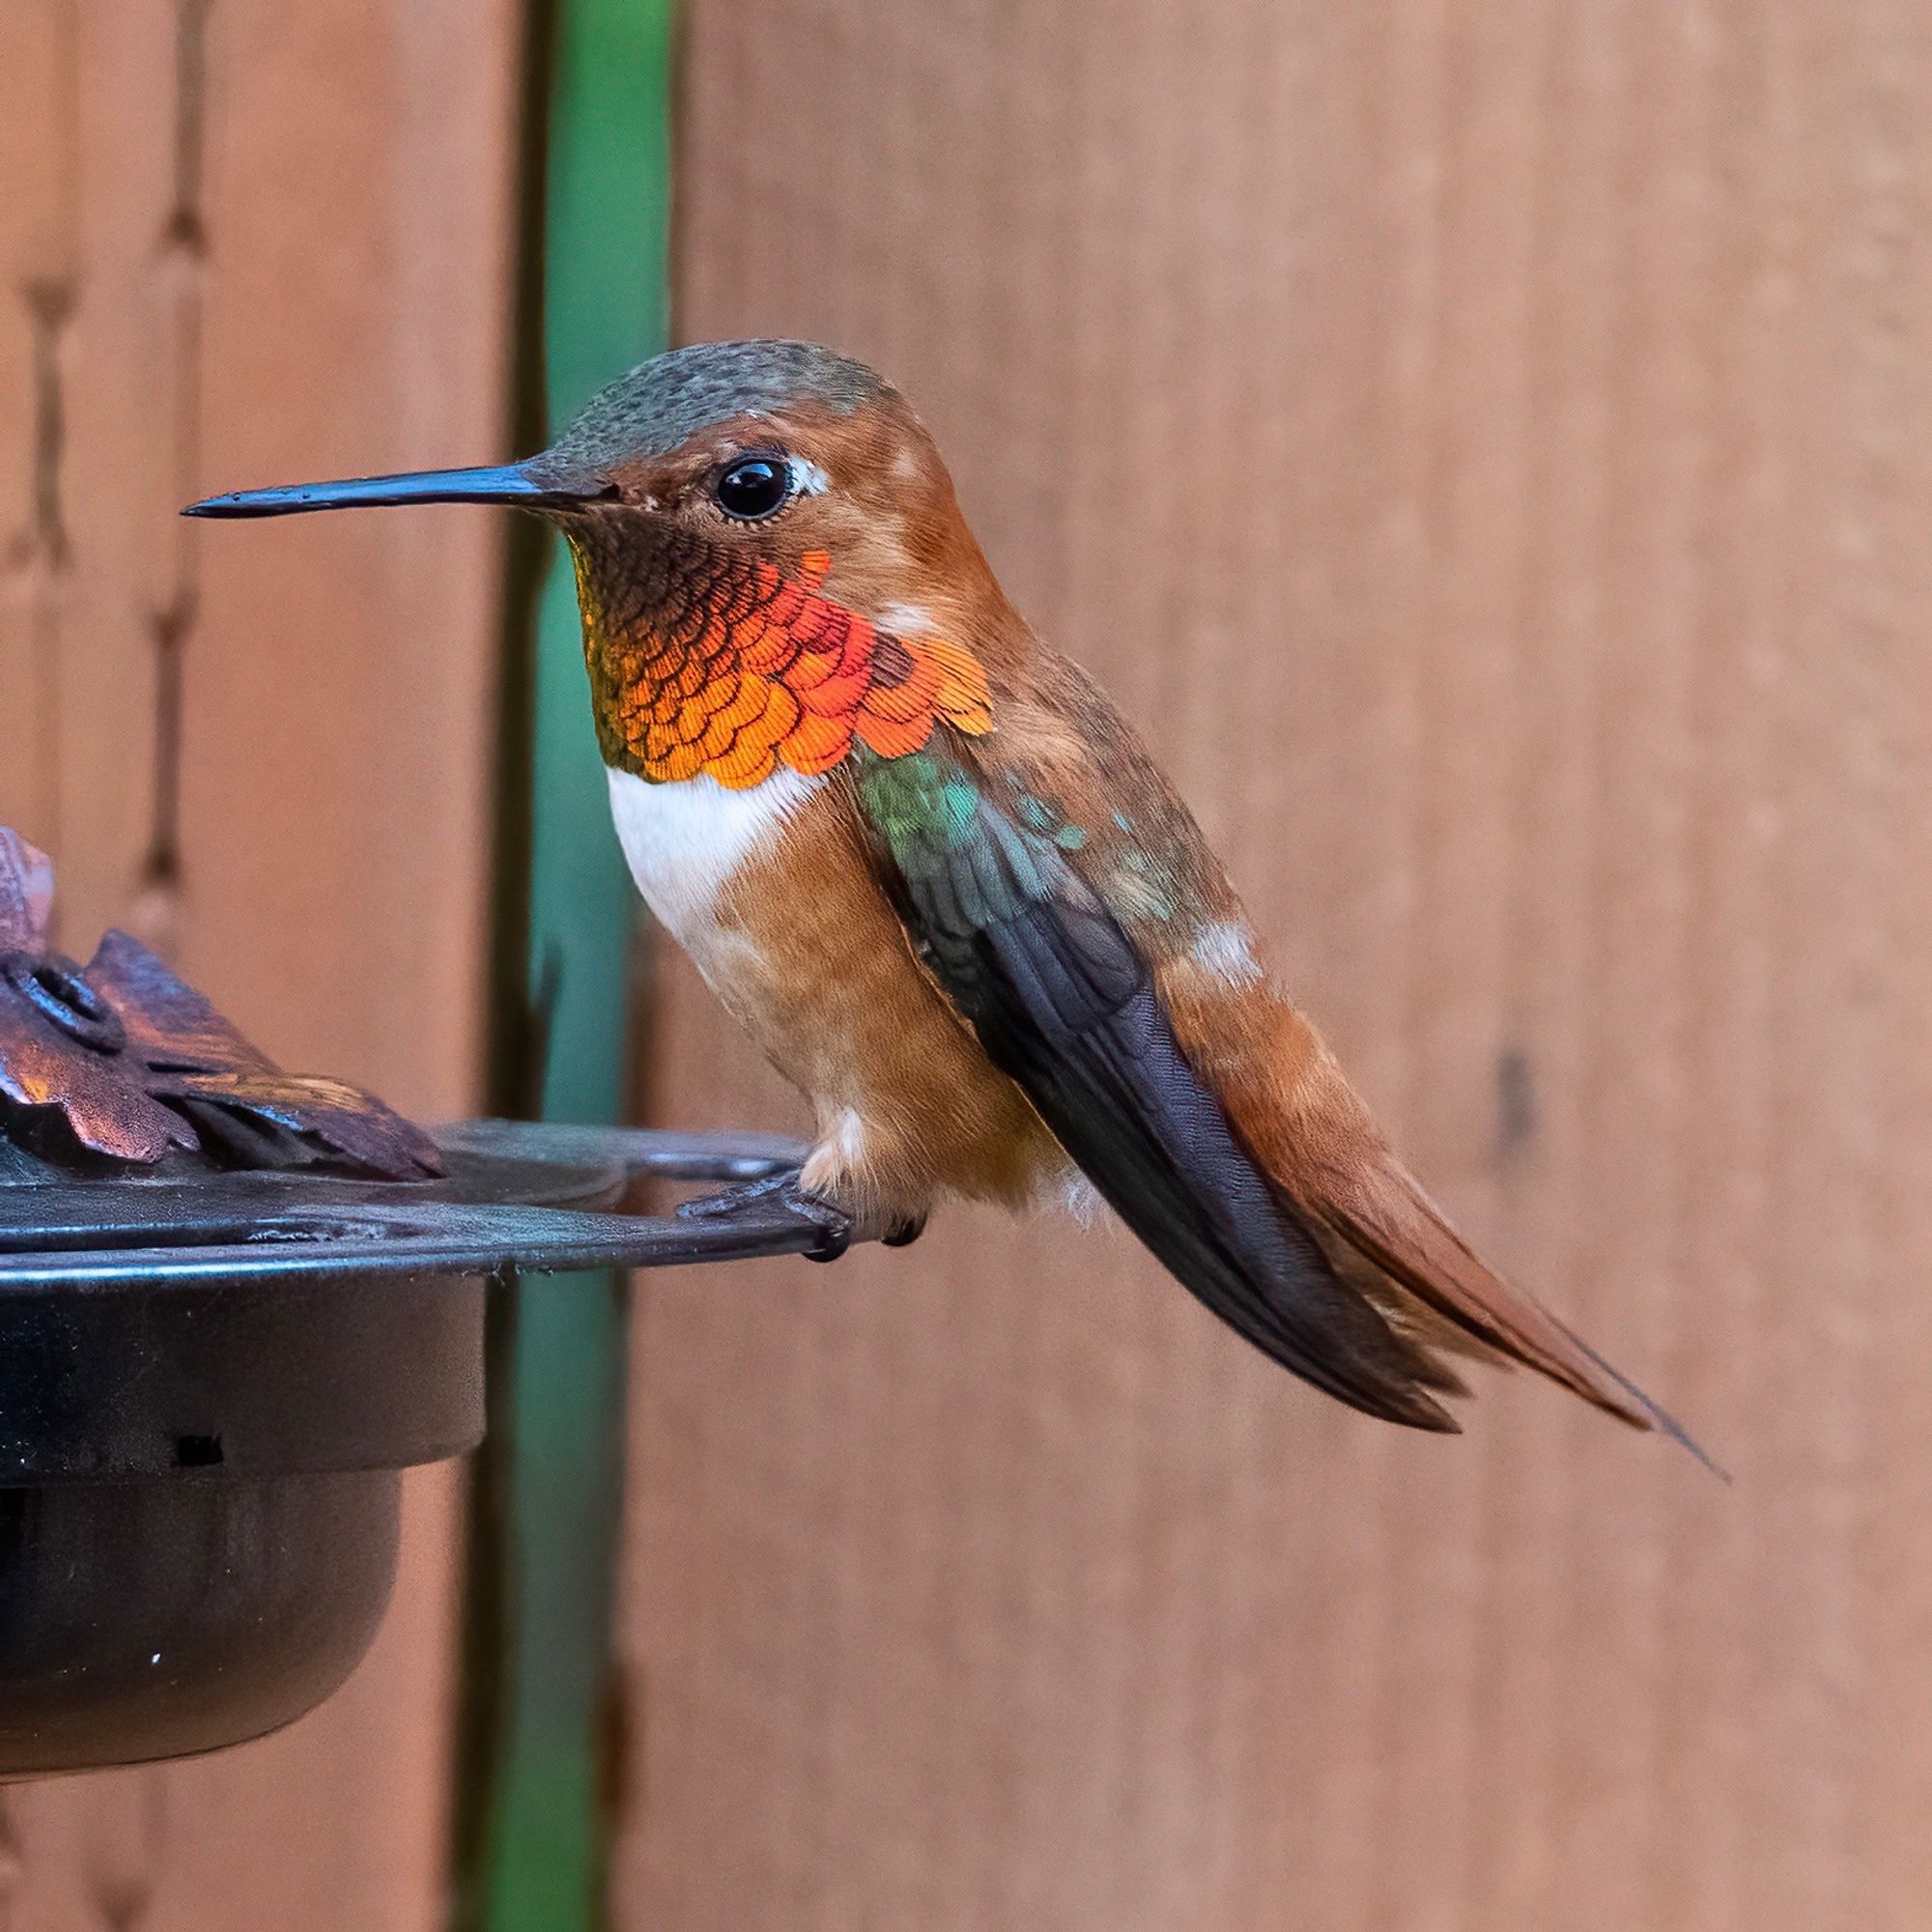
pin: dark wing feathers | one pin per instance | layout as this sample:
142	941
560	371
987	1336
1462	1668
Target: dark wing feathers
1067	1008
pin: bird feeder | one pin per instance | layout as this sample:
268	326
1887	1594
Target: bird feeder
235	1304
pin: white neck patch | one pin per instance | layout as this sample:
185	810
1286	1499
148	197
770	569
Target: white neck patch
683	840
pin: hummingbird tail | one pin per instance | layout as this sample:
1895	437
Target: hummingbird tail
1384	1212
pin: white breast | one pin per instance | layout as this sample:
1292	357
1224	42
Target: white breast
683	840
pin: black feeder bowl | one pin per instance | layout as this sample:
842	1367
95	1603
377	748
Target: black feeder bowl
209	1388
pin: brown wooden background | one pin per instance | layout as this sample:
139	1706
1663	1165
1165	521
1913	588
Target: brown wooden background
241	241
1489	446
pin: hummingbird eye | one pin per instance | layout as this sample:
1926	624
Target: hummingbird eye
754	488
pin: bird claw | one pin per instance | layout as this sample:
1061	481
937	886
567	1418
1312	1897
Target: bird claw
831	1222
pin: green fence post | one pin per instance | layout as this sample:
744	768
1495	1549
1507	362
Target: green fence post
530	1827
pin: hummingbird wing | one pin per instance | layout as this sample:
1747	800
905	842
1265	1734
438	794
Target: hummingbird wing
1065	899
1067	1006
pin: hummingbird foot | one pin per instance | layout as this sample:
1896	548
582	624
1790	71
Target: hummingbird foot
903	1234
831	1224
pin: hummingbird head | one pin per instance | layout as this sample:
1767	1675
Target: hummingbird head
774	449
725	504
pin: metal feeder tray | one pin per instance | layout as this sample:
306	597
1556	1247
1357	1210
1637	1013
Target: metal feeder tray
209	1384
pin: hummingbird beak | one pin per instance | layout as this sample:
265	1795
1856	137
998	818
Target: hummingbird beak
508	483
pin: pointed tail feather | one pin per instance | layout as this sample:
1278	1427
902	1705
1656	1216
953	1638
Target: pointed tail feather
1382	1211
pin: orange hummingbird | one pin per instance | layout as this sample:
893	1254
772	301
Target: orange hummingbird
939	879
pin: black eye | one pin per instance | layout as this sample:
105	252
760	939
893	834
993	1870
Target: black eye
754	486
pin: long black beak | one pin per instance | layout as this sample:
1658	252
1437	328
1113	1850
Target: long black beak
509	483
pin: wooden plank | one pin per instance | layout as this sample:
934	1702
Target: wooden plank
1489	450
355	689
283	232
38	163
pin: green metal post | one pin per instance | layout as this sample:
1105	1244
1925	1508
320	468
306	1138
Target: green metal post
530	1819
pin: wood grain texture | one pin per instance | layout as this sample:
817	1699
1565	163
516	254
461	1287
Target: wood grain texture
1489	450
245	242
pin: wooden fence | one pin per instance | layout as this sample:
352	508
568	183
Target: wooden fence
1489	448
241	241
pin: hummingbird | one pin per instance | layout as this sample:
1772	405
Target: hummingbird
937	877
